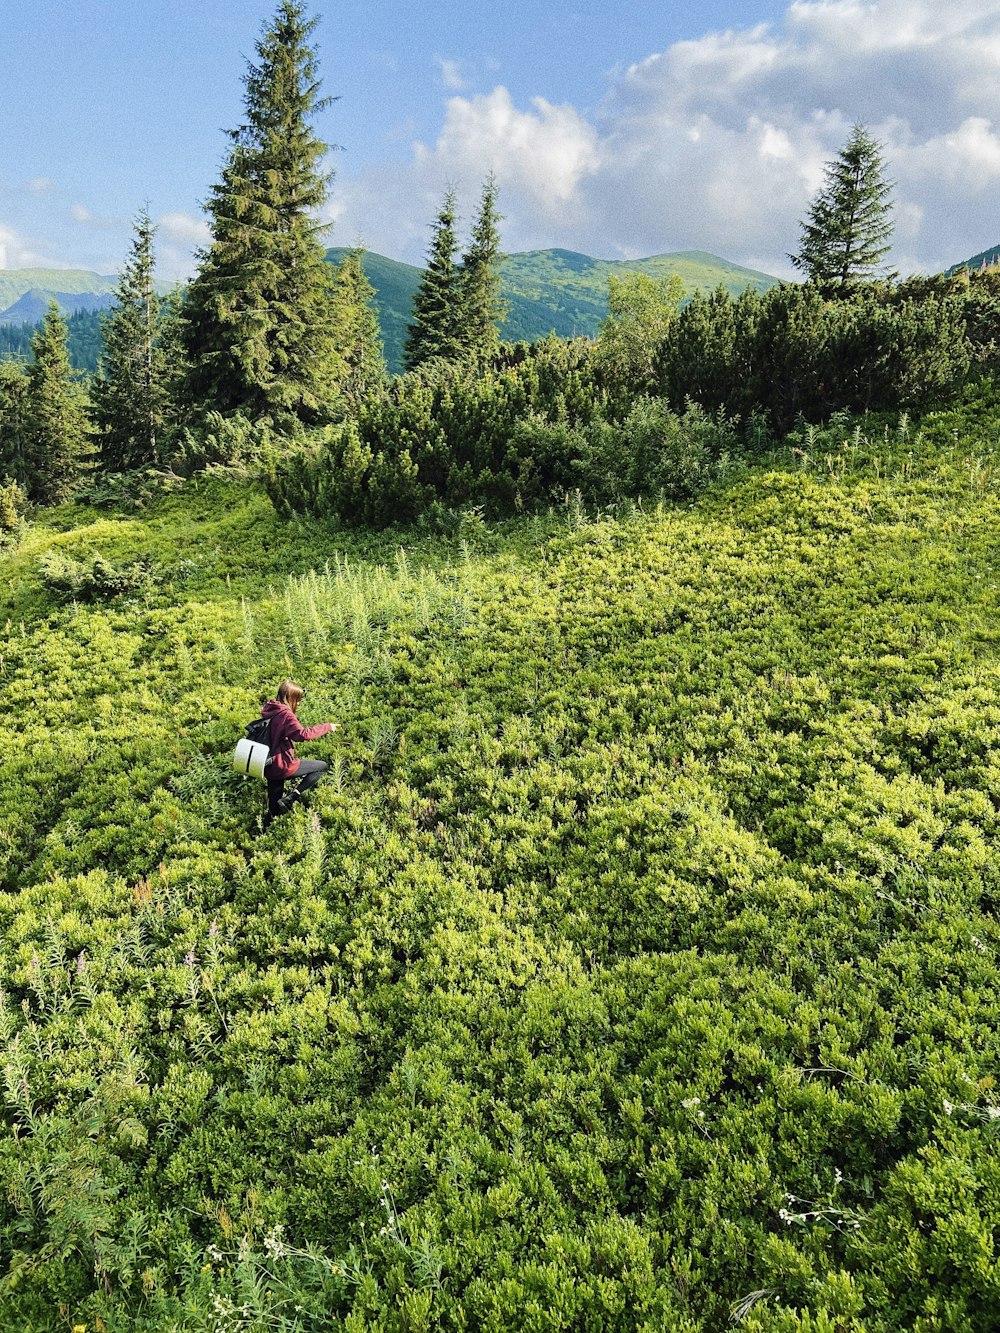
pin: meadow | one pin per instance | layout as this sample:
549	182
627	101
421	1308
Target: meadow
634	968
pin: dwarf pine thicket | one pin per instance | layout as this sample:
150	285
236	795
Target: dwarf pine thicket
635	968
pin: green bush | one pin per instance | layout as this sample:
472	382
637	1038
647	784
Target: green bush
13	502
94	578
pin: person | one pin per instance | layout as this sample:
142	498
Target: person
282	765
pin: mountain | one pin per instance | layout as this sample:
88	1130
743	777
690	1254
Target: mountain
52	282
25	293
986	259
549	291
31	307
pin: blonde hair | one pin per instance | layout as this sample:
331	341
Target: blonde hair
291	694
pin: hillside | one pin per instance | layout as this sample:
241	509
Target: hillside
635	967
548	290
985	259
25	293
14	283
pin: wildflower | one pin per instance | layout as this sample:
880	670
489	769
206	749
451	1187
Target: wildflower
189	958
948	1107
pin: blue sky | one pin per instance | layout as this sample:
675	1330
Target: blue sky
667	126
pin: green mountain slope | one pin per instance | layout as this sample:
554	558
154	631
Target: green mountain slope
16	282
985	259
24	291
549	291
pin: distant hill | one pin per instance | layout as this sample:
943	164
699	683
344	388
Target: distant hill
25	293
986	259
51	282
549	291
32	306
81	296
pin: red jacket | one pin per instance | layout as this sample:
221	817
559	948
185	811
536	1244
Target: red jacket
286	729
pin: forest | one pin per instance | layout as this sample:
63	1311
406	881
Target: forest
634	967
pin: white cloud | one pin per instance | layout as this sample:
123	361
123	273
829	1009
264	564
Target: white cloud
16	253
539	157
178	235
719	143
451	74
183	229
40	184
80	214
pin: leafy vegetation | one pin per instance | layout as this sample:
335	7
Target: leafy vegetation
636	966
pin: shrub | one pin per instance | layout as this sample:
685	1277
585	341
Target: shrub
95	579
12	504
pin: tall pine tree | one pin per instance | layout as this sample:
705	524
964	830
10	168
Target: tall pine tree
482	308
849	226
130	396
258	329
56	435
356	322
435	322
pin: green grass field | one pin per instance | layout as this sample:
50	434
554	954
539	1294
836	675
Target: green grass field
634	968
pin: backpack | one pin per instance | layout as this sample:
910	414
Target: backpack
253	754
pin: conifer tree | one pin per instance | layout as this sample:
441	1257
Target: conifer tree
356	322
55	416
482	307
849	225
13	421
130	395
435	323
258	328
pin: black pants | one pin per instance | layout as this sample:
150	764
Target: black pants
305	778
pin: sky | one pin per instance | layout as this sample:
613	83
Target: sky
658	126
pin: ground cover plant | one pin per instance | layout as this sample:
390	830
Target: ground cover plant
635	967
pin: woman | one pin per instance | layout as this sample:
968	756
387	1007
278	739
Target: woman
285	730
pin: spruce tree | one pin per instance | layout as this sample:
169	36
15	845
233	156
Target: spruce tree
435	323
55	416
13	421
482	308
357	331
130	397
849	225
258	327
